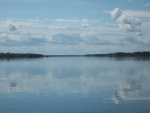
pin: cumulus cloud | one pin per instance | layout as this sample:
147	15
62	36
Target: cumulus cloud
12	27
116	13
126	22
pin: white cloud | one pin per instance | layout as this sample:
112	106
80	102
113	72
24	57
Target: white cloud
64	20
135	13
116	13
139	14
85	25
73	20
126	22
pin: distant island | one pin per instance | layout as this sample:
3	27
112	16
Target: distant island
144	54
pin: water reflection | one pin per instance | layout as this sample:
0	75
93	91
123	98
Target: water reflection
71	77
133	90
92	81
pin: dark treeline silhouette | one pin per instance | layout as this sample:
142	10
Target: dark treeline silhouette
8	55
123	54
64	55
19	55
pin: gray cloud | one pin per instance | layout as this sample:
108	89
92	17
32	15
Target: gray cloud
126	22
12	27
66	39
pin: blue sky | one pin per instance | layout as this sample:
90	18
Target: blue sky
74	26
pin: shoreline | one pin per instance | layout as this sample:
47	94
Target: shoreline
144	54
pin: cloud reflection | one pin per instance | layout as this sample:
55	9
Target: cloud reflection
133	90
127	80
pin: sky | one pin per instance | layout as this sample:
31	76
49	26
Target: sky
74	26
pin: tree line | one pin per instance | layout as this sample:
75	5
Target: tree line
123	54
20	55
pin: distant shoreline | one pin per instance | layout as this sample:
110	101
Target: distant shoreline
19	55
123	54
117	54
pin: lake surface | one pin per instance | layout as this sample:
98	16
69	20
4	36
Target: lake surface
75	85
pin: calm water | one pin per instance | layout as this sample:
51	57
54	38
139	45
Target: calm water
75	85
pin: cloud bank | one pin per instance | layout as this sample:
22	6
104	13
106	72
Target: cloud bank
126	22
72	36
